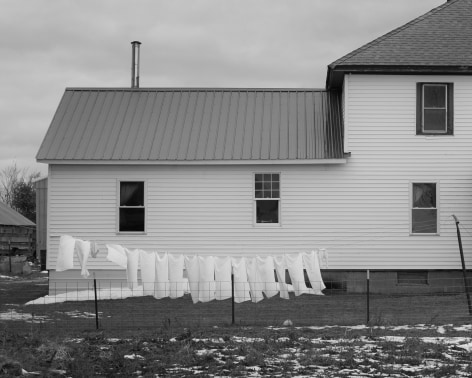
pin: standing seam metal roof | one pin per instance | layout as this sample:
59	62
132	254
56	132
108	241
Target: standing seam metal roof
194	125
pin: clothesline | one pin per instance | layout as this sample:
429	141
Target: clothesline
209	277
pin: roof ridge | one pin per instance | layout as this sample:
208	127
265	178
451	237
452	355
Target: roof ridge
393	32
202	89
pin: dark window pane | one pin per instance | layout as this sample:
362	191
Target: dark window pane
258	177
132	194
424	221
434	96
258	185
258	193
275	185
267	185
275	177
266	176
267	211
424	195
275	194
435	120
131	219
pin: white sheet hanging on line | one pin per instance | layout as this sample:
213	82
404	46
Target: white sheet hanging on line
241	284
132	268
265	266
68	247
294	263
254	279
162	286
280	266
206	278
147	263
176	278
222	278
312	266
191	266
65	255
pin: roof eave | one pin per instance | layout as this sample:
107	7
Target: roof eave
335	75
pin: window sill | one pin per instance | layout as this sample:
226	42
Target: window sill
131	233
269	225
415	234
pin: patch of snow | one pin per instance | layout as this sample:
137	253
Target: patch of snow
13	315
133	356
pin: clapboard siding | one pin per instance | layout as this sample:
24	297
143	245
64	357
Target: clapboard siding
359	211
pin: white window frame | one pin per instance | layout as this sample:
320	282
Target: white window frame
438	205
423	107
118	207
279	199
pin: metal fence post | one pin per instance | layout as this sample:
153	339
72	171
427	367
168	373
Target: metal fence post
368	295
232	298
96	302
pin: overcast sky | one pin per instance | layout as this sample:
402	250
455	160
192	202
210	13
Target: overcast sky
48	45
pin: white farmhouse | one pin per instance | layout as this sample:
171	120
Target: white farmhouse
370	168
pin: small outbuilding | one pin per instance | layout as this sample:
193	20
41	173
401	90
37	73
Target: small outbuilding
17	238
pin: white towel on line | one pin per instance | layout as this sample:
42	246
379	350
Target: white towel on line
193	272
65	256
82	249
117	255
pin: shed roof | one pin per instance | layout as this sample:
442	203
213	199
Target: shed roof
10	217
438	41
183	125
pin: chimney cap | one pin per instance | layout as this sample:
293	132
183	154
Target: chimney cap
136	42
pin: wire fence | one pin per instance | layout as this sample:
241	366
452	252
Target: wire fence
73	307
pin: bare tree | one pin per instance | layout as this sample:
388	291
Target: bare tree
17	189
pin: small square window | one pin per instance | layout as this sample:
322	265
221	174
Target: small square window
434	108
424	212
267	197
131	210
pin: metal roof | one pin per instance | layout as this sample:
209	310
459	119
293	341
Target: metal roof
148	124
10	217
440	38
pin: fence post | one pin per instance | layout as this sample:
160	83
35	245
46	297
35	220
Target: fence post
96	302
464	271
232	297
368	296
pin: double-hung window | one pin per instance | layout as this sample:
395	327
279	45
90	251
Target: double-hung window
435	109
267	197
424	211
131	210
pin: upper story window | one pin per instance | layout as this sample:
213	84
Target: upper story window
435	109
424	212
267	197
131	209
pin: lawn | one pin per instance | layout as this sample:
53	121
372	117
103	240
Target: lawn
408	335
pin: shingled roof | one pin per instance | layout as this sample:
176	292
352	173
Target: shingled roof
194	125
439	41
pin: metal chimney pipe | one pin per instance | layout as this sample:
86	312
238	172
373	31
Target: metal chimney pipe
135	64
